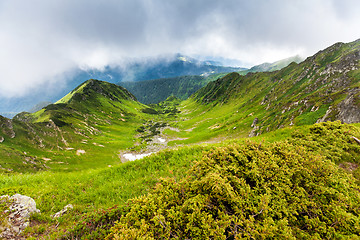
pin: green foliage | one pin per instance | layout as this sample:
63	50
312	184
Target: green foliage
330	139
248	191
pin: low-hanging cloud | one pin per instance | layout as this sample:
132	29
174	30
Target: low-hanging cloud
42	40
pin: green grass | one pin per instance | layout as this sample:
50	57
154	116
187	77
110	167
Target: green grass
98	188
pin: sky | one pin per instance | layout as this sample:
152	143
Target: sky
42	40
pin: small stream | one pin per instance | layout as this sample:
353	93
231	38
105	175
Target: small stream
161	143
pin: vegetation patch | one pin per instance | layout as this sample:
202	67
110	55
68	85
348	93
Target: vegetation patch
249	191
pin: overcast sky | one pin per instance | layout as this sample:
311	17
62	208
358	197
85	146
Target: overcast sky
42	39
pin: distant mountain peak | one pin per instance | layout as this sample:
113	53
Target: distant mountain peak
270	67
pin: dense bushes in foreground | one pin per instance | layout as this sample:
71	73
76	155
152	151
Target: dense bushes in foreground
249	191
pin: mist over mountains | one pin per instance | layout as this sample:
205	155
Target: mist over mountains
134	71
137	70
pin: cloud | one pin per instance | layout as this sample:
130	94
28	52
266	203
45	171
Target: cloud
42	40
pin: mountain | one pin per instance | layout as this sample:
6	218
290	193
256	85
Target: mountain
93	110
136	70
259	155
158	90
155	68
321	88
270	67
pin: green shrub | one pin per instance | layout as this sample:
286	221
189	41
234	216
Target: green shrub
250	191
330	139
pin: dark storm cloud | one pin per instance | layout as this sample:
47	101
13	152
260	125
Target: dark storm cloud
41	40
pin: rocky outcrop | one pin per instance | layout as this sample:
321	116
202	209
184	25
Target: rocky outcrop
20	208
349	109
254	131
254	122
6	126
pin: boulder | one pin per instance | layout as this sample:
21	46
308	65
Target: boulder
20	208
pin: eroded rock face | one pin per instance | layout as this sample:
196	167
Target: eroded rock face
20	208
349	109
7	127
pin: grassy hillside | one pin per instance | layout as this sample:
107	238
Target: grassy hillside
323	87
88	128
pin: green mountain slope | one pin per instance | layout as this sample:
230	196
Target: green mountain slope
157	90
321	88
85	129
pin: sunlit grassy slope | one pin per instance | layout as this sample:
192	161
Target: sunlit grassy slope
299	94
86	129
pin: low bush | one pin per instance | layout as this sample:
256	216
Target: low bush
250	191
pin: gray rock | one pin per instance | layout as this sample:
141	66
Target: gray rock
256	120
7	127
254	132
349	109
20	208
63	211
